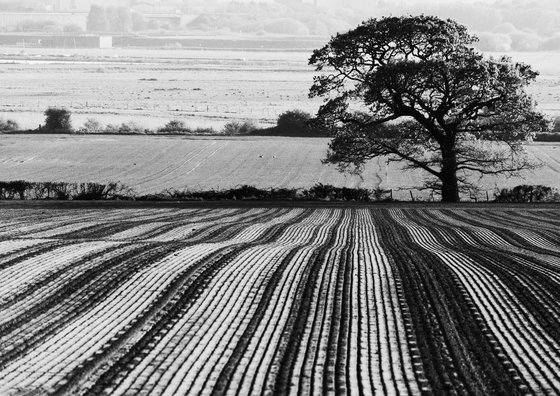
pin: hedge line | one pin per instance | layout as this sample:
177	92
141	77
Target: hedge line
24	190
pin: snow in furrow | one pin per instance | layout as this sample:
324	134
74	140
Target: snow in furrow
28	271
55	286
15	245
214	322
251	378
53	359
385	291
533	352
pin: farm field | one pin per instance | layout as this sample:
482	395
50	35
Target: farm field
151	164
236	301
151	87
201	87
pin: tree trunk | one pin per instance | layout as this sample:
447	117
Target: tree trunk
448	176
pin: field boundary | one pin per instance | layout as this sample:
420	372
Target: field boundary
117	204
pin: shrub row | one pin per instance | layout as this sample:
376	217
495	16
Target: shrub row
547	137
21	189
95	191
319	192
528	193
24	190
175	127
58	120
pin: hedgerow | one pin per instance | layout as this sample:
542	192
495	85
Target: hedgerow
24	190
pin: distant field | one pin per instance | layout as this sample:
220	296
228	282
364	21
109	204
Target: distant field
151	87
203	88
152	164
252	301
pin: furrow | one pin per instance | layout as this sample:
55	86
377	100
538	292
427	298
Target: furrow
535	354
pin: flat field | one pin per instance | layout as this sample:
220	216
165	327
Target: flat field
151	87
200	87
151	164
307	301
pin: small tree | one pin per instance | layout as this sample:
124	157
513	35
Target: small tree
119	19
92	126
413	88
174	126
96	19
293	122
556	124
8	125
239	128
57	120
139	22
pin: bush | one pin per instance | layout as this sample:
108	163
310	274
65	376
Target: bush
8	125
130	127
92	126
547	137
51	190
556	125
528	193
328	193
14	189
112	128
94	191
205	131
58	120
293	122
174	126
239	128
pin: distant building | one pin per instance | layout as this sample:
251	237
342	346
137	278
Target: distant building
105	42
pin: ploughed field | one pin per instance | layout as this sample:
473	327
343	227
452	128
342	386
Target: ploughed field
151	164
236	301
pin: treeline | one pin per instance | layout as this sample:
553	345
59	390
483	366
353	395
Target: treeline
63	191
24	190
116	19
501	25
506	25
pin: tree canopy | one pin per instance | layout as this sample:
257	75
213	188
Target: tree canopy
413	88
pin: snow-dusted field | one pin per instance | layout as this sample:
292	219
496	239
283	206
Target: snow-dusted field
152	87
237	301
151	164
200	87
